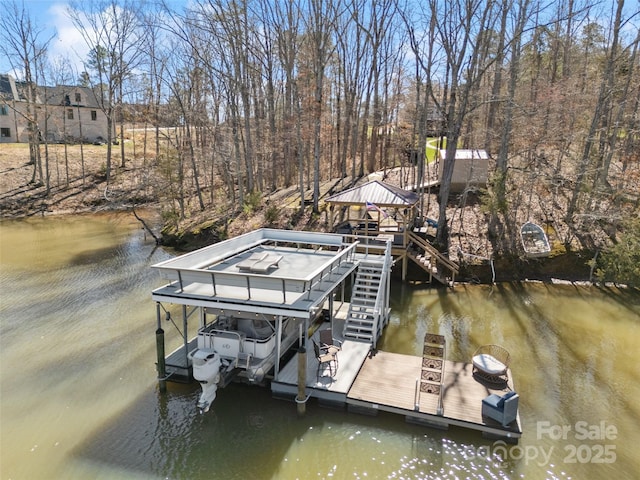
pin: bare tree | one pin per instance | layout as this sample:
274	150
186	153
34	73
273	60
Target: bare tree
459	29
600	118
22	43
353	55
522	12
320	22
110	30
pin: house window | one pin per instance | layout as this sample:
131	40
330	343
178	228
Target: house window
5	132
78	97
69	114
4	110
94	115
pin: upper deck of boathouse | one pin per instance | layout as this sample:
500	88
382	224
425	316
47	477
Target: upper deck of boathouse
279	272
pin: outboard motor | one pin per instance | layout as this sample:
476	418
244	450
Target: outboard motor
206	370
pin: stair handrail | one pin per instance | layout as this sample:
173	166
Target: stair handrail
426	246
379	308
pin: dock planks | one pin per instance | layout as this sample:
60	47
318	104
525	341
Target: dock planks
325	387
370	381
387	381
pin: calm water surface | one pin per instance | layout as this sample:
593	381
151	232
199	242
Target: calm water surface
79	400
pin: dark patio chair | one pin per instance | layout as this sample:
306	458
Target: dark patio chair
325	359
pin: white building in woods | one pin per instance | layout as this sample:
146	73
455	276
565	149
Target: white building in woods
61	112
471	169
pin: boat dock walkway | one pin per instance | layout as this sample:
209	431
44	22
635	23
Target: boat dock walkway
368	381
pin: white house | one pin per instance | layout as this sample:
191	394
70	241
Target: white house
62	112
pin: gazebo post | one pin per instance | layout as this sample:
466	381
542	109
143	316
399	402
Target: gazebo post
330	213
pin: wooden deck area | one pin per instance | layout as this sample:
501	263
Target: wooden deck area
388	382
369	382
324	386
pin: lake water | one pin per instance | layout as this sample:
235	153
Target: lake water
79	397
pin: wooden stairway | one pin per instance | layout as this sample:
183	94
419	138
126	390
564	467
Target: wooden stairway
432	261
361	320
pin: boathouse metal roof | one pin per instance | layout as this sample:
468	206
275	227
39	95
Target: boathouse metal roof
379	193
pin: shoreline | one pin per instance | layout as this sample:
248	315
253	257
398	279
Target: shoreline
566	268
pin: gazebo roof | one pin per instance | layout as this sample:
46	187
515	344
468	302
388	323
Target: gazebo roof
379	193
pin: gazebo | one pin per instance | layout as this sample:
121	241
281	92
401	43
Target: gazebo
376	209
386	206
386	212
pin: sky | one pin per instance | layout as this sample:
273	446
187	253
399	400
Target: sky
50	16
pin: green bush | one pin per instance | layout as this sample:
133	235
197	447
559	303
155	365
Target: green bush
271	214
251	202
620	263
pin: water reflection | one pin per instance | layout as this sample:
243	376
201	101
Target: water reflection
79	397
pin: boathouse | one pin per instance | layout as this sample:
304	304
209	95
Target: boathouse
302	312
289	279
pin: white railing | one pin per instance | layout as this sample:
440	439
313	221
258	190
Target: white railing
371	245
183	276
382	298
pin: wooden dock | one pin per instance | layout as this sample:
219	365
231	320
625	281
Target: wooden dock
370	381
324	387
390	382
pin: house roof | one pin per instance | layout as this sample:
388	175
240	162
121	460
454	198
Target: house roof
11	89
467	154
65	95
376	192
6	87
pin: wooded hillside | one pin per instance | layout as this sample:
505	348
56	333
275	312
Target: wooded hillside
238	99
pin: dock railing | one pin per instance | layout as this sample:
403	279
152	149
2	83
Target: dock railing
437	258
183	276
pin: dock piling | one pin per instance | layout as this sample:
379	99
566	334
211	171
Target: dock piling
162	372
301	399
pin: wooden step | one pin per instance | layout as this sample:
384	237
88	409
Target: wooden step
359	336
360	328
